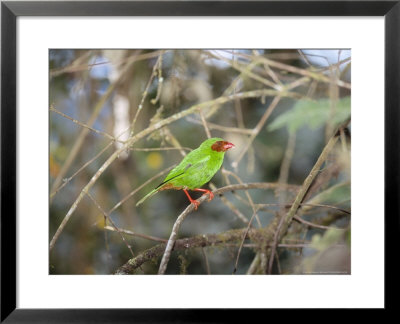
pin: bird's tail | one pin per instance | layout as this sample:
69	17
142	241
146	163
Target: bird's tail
151	193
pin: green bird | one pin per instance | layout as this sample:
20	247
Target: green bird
196	169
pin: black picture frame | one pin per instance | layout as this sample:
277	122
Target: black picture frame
11	10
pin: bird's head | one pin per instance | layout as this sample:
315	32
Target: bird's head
219	145
222	146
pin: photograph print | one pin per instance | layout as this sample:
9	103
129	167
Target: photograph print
200	161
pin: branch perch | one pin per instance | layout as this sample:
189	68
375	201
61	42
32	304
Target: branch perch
189	209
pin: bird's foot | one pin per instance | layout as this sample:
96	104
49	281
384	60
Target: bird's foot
206	191
211	195
192	201
195	203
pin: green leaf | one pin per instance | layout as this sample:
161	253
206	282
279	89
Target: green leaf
333	195
330	255
323	242
313	114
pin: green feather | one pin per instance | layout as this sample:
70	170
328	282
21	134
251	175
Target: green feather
151	193
196	169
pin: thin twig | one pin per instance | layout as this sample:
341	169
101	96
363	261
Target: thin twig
145	92
243	239
107	216
334	97
232	207
84	125
256	130
160	80
140	187
299	82
203	120
66	181
160	149
225	129
173	140
265	206
315	225
239	118
254	209
147	237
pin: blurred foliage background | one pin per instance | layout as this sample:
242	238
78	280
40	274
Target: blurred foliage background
117	93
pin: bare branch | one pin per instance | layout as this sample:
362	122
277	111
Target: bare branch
156	66
107	216
243	239
265	206
231	206
190	208
66	181
147	237
226	129
203	120
140	187
84	125
247	195
315	225
256	130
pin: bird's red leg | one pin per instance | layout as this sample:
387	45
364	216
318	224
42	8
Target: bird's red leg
206	192
194	202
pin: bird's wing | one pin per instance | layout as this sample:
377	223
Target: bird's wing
190	167
196	166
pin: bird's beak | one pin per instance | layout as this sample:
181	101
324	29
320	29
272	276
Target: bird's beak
228	146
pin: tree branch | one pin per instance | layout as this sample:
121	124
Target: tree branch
189	209
185	244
